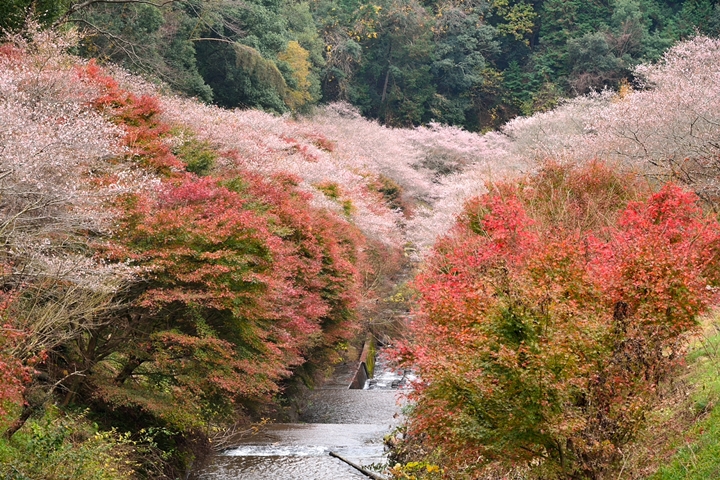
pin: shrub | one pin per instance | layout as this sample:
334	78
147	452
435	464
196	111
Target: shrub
549	316
66	447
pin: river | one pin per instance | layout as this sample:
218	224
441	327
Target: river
351	423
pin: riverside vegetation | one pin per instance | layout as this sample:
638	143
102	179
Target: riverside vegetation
170	266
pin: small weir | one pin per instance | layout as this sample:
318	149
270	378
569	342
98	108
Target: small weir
351	423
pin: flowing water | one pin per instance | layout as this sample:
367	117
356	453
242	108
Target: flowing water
351	423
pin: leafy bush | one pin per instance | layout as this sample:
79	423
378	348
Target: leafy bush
61	446
695	447
550	314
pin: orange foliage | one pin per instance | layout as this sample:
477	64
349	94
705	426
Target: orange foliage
238	268
545	325
138	115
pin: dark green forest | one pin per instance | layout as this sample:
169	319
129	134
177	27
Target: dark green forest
475	64
405	62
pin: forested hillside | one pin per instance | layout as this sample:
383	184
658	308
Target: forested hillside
405	62
170	266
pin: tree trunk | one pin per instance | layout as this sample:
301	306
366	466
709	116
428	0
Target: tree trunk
387	78
128	370
387	75
17	424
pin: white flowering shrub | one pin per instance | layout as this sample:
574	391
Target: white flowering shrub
668	126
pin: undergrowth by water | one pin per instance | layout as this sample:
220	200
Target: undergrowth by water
66	446
681	440
695	449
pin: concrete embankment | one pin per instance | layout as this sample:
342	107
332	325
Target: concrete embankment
366	365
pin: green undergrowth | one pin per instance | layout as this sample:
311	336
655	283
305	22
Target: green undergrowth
65	446
696	449
370	361
681	440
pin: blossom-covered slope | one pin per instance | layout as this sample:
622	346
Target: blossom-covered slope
168	265
171	264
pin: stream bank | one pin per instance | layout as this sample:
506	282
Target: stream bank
349	422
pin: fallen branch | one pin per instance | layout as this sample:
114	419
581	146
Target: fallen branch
375	476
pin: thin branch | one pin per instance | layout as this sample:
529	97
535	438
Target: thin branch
88	3
210	39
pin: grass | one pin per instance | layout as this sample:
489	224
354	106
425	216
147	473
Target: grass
682	441
697	456
65	446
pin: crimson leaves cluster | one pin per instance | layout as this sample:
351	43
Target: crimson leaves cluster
546	324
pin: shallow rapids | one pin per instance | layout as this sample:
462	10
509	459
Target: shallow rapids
351	423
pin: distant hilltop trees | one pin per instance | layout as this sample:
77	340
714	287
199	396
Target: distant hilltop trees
404	62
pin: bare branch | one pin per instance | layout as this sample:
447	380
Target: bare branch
74	8
210	39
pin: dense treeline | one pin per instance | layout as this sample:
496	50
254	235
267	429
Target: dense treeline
553	319
148	277
405	62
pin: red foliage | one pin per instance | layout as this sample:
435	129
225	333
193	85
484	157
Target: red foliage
13	378
323	143
327	254
14	373
660	262
546	337
245	260
11	52
138	115
302	148
241	278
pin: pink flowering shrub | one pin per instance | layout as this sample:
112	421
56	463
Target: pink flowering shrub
666	125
